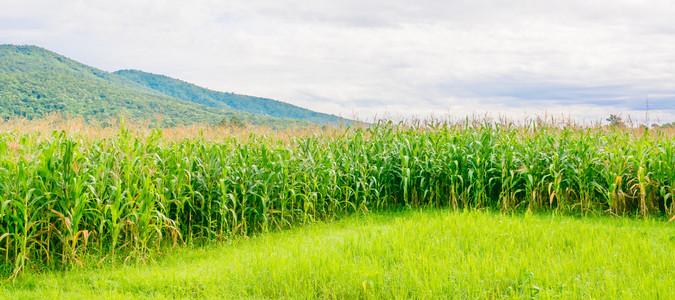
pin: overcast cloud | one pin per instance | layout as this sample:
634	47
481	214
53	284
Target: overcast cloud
381	58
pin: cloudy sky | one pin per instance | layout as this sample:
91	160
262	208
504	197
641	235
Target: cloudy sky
392	59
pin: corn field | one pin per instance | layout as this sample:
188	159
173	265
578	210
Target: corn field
125	196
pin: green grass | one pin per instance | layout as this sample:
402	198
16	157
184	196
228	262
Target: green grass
413	254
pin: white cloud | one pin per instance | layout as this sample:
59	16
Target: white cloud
368	58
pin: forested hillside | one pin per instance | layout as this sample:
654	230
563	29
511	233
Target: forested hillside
256	105
35	82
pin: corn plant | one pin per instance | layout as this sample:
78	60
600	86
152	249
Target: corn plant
130	195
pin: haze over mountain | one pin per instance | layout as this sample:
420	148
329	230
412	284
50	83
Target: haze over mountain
255	105
35	82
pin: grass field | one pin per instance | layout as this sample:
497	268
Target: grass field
411	254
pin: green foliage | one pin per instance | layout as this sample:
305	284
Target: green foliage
255	105
233	122
411	255
65	197
615	121
665	125
35	82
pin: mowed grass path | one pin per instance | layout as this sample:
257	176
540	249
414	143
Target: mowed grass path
413	254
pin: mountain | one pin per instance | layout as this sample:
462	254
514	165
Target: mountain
35	81
255	105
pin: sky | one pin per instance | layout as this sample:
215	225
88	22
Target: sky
394	59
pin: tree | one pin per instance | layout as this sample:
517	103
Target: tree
615	121
233	122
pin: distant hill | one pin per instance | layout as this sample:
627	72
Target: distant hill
255	105
35	81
